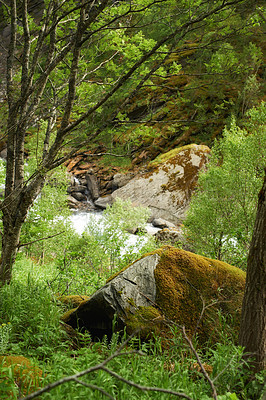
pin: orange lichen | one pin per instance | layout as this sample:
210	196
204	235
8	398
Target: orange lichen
18	376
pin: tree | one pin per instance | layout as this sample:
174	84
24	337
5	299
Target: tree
222	213
75	71
253	322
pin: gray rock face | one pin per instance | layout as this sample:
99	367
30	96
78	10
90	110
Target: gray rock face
162	223
135	287
167	188
92	186
120	180
103	202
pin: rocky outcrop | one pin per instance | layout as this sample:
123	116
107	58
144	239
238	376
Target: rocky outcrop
83	191
168	284
167	187
173	236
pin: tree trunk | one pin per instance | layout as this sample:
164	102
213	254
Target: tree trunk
253	322
15	210
10	244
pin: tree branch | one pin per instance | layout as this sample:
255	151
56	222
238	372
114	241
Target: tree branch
39	240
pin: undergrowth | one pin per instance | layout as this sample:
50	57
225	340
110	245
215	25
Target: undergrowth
31	311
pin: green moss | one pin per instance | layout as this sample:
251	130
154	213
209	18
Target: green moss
187	282
66	316
162	158
170	154
73	300
146	321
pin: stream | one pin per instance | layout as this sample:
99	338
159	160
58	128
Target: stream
80	220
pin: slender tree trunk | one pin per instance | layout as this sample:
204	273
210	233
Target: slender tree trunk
10	244
253	323
15	210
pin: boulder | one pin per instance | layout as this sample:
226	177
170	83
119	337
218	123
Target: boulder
167	187
173	236
77	188
3	153
72	202
79	196
103	202
92	186
120	180
162	223
167	284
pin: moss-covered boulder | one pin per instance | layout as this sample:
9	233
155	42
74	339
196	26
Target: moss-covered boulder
18	376
201	294
167	186
72	301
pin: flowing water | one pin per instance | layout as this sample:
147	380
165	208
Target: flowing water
81	219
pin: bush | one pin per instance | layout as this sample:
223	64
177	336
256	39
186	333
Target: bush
220	220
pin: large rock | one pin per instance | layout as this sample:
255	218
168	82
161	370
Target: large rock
174	237
103	202
166	189
92	186
169	283
162	223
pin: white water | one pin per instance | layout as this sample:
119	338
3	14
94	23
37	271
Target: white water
81	219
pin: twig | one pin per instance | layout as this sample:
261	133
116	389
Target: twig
145	388
38	240
204	372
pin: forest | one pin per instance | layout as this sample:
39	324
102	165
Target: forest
126	88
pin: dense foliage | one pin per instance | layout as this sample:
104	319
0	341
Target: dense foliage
222	213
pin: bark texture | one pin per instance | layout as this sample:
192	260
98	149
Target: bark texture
253	324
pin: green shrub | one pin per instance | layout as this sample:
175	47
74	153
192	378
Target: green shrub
222	212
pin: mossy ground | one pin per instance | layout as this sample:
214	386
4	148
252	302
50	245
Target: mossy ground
73	301
18	375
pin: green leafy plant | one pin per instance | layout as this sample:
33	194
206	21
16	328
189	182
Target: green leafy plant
220	221
103	248
5	331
